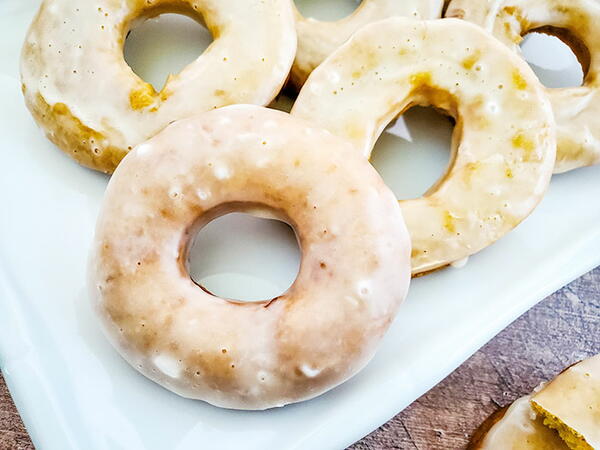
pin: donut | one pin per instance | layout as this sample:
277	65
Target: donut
516	427
576	109
90	103
317	39
503	148
354	272
570	404
562	414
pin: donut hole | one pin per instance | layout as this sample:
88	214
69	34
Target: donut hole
245	258
556	56
413	153
327	10
164	44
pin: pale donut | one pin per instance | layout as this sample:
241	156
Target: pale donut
576	109
571	404
318	39
504	139
354	272
517	427
90	103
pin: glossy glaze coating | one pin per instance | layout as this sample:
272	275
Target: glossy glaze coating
90	103
318	39
504	140
519	428
571	404
577	109
354	272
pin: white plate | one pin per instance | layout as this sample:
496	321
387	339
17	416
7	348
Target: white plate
74	391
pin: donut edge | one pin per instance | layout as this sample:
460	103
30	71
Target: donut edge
71	136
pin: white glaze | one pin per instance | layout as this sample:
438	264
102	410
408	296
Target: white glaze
73	57
461	263
318	39
502	160
167	365
574	397
577	109
252	355
521	429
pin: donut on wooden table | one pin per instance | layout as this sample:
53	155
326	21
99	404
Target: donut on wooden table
561	415
516	427
570	404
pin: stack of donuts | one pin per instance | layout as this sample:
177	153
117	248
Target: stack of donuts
206	145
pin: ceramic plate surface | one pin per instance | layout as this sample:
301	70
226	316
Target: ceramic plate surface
75	392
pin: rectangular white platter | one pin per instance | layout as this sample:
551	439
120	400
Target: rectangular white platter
74	392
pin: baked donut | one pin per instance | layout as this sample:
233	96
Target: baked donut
318	39
570	404
516	427
354	273
503	143
576	109
81	91
563	414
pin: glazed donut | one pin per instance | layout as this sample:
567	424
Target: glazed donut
516	427
81	91
318	39
576	109
571	404
354	273
504	139
559	415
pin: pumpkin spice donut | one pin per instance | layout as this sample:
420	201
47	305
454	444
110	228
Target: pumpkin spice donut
318	39
575	22
354	273
516	427
94	107
560	415
503	147
570	404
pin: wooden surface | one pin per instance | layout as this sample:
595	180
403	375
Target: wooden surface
561	330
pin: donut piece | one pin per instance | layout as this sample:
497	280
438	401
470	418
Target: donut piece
571	404
318	39
354	273
568	407
504	140
517	427
81	91
576	109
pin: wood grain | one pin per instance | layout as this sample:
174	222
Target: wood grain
12	432
561	330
